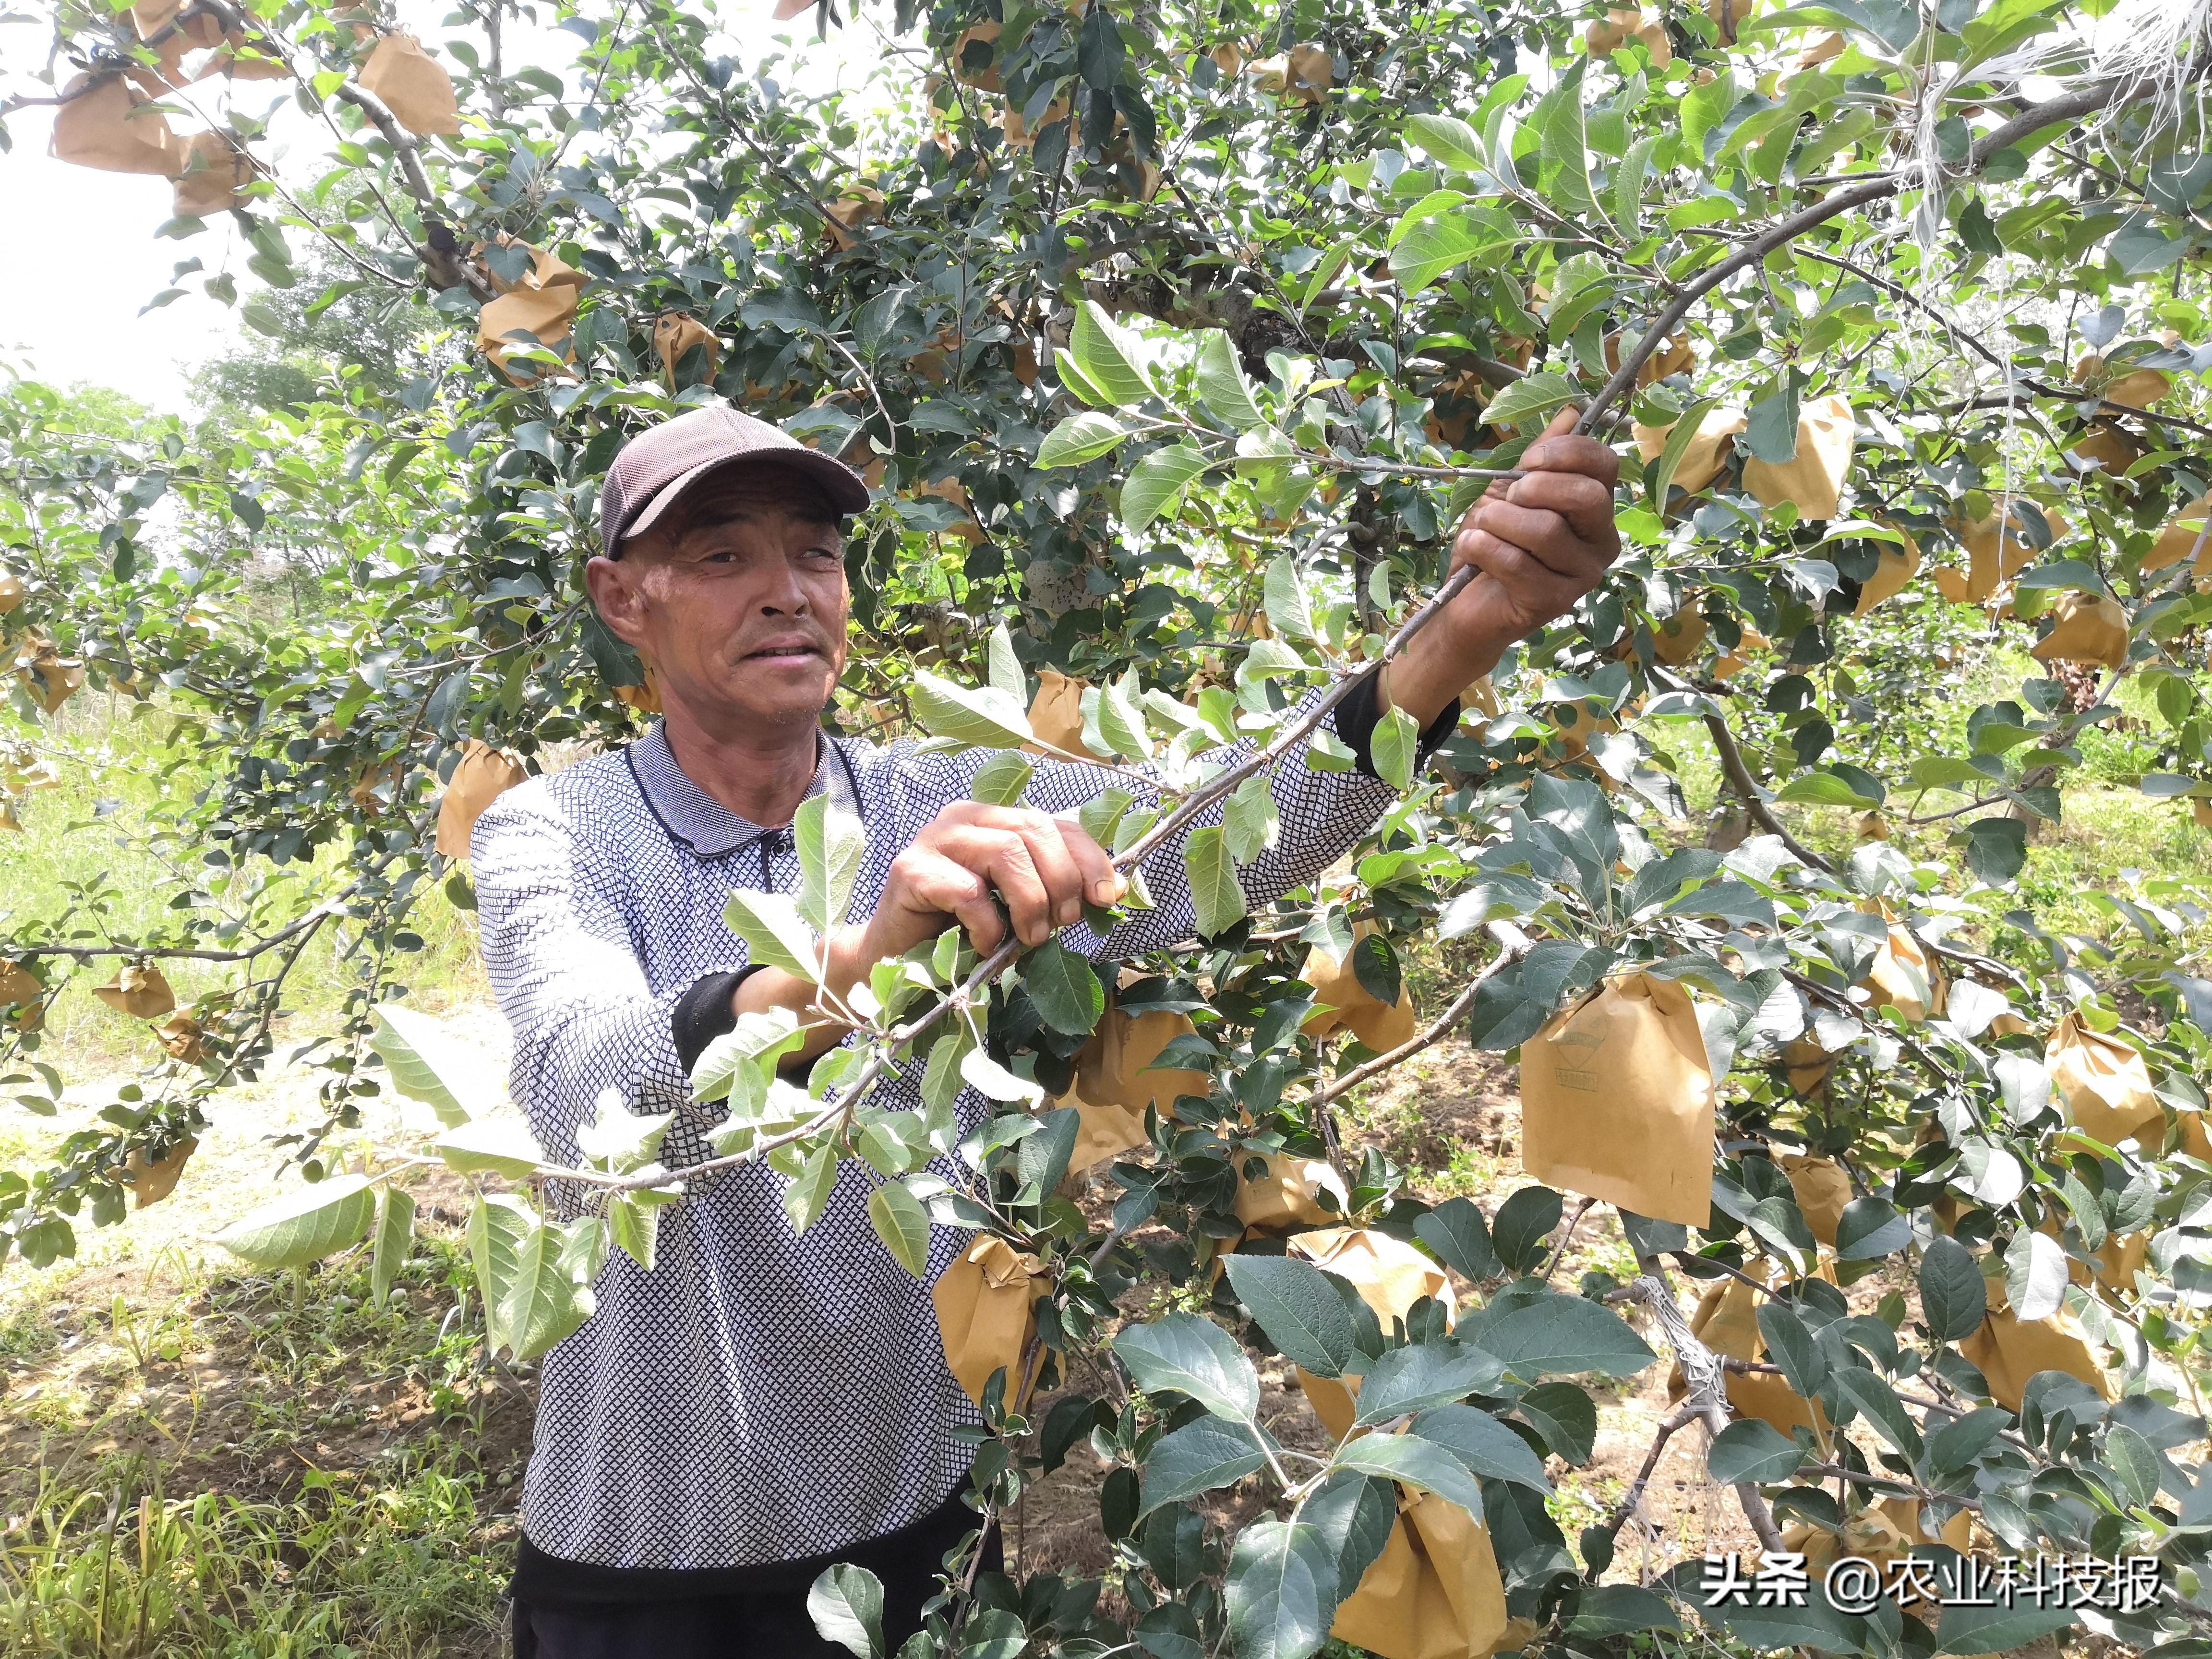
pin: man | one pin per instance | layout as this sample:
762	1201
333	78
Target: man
765	1402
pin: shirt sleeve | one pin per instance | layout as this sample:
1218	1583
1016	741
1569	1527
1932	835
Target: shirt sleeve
1322	816
566	975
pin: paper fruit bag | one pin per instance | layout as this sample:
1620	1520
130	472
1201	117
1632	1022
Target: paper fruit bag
413	85
1814	477
1727	1321
2086	628
1617	1101
1898	566
1115	1081
1434	1593
152	1180
2009	1351
1902	975
484	774
1346	1002
675	333
1708	452
101	124
1390	1276
1821	1188
1056	712
139	991
985	1315
2102	1081
1288	1196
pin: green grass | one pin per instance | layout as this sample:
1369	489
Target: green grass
101	843
201	1472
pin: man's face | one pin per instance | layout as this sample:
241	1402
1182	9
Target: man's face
739	605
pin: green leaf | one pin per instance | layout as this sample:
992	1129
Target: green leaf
1423	249
1301	1312
1281	1591
902	1225
1455	1231
1250	820
1531	398
1222	384
995	1082
1065	988
1823	789
1567	1418
634	1224
1001	780
983	719
496	1228
1413	1379
1198	1457
1869	1229
774	932
1562	148
1395	745
544	1302
804	1198
2135	1459
1661	474
1186	1355
742	1061
1102	811
455	1079
2035	1275
1702	108
1111	359
830	844
1447	140
847	1604
319	1219
1284	597
1156	483
1006	677
395	1234
1412	1462
1485	1445
1752	1450
1563	1335
1122	723
1080	438
1996	849
1217	901
1618	1610
1355	1515
500	1146
619	1139
1627	183
1953	1296
1878	1403
1968	1629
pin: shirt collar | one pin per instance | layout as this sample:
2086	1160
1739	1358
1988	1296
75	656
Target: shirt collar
695	818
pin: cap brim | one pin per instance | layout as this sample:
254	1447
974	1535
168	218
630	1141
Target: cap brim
846	493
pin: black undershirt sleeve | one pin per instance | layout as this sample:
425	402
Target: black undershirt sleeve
703	1013
1356	719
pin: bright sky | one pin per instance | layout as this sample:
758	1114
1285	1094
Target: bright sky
87	260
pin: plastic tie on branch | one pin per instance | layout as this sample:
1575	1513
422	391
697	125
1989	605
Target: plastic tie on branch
985	1314
413	85
1617	1101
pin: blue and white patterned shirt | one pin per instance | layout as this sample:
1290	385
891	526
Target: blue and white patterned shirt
763	1395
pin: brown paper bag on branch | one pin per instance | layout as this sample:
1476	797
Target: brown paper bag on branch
1996	553
484	774
11	591
674	334
1727	1321
2008	1351
1677	639
1056	713
21	989
1617	1101
1310	71
1902	976
2103	1082
985	1314
1708	452
1814	478
2179	540
216	169
103	124
413	85
854	206
139	991
49	679
151	1180
2086	628
1390	1276
183	1037
1288	1196
1898	566
1346	1002
1113	1085
1821	1187
1434	1593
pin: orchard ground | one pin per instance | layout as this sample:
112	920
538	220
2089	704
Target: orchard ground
197	1463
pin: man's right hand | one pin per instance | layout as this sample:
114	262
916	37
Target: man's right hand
1045	869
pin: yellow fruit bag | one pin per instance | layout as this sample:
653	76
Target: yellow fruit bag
484	774
675	333
1617	1101
1708	452
1821	1187
2086	628
1903	975
414	86
2008	1352
985	1314
1288	1194
139	991
1390	1276
1814	477
1346	1002
2102	1080
1434	1593
1114	1083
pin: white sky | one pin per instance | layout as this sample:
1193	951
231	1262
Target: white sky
86	258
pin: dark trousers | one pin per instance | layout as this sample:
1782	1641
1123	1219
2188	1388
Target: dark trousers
767	1617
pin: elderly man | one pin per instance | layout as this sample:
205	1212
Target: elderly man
766	1402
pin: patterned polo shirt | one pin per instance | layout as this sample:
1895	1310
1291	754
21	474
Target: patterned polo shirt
763	1395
